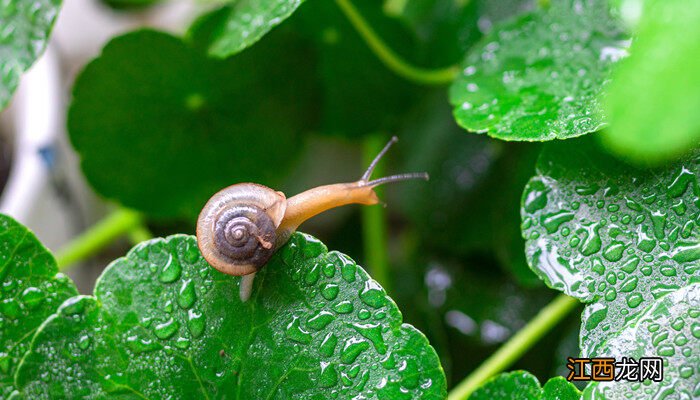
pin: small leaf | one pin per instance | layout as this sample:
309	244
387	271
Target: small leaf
247	21
653	98
670	329
160	127
611	235
523	385
540	76
30	290
24	31
164	323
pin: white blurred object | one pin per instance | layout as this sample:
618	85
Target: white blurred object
36	120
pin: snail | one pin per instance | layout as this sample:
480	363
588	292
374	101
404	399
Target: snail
242	226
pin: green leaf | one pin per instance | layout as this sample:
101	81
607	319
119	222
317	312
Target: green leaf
653	99
178	126
611	235
164	323
24	31
30	290
540	76
523	385
669	328
247	21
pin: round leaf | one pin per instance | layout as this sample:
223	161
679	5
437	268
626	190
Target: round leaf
24	30
669	329
164	323
30	291
523	385
160	127
610	235
247	21
540	76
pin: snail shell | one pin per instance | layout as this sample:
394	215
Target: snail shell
236	229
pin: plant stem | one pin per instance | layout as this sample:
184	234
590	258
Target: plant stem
389	58
546	319
374	230
119	222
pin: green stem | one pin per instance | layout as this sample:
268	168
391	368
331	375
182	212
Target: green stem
389	58
374	230
546	319
93	240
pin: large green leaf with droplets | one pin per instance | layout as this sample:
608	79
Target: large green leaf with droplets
540	76
30	290
247	21
179	126
523	385
653	98
669	328
24	31
611	235
164	323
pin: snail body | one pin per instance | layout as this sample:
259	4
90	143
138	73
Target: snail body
242	226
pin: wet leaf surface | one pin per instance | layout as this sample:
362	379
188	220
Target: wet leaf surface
163	322
540	76
613	236
523	385
173	133
24	31
247	21
670	329
31	290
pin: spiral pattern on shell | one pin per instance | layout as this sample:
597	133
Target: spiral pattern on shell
244	234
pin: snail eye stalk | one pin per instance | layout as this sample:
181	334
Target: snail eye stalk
388	179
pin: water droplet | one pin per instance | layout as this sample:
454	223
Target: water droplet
84	342
592	242
629	285
186	295
666	350
634	299
329	270
327	347
364	314
553	221
535	197
667	270
352	349
330	291
329	376
320	320
171	271
182	343
372	332
658	220
343	307
296	333
312	275
614	251
686	252
32	297
372	294
166	329
195	323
